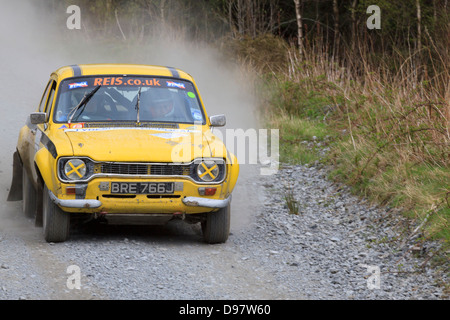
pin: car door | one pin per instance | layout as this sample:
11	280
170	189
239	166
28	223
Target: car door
35	131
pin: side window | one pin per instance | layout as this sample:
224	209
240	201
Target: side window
44	96
50	97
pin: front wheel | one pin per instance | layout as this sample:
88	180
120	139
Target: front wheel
56	222
216	227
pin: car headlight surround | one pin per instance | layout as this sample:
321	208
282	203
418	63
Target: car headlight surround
75	169
209	170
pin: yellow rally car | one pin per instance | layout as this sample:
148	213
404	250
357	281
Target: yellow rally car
123	144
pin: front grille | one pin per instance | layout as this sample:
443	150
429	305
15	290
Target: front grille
156	169
170	170
144	169
124	168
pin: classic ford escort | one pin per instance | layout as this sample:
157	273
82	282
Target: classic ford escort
123	144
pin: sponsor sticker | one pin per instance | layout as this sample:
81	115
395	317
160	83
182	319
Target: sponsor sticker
76	125
127	81
170	135
75	85
196	114
172	84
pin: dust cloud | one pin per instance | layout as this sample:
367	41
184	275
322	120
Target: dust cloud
34	43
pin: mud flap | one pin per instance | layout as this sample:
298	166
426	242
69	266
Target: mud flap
39	201
15	192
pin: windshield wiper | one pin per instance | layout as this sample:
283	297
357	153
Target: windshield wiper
83	102
138	103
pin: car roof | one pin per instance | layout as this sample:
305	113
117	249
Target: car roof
119	69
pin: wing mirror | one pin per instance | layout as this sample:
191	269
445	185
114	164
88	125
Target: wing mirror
38	117
218	121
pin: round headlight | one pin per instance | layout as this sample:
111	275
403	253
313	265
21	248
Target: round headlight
208	170
75	169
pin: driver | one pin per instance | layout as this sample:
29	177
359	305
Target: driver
93	109
156	104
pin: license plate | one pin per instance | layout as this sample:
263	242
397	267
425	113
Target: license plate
142	187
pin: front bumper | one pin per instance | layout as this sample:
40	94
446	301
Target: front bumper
189	201
75	203
206	203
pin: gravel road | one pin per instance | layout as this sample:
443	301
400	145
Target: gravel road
324	252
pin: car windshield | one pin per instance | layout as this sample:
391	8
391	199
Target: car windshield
128	98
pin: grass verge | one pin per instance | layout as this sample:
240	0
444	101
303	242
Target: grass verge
387	136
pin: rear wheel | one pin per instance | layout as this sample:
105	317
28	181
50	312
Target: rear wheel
216	227
28	196
56	222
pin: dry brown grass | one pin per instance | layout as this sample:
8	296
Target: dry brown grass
393	141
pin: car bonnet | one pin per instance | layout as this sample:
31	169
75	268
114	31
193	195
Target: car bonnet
139	144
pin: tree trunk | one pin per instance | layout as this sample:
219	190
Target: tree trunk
419	26
240	17
298	11
230	16
336	27
419	40
354	28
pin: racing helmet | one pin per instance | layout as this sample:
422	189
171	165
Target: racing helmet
158	102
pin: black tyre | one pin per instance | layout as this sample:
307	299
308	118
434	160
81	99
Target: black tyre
216	227
56	222
28	196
